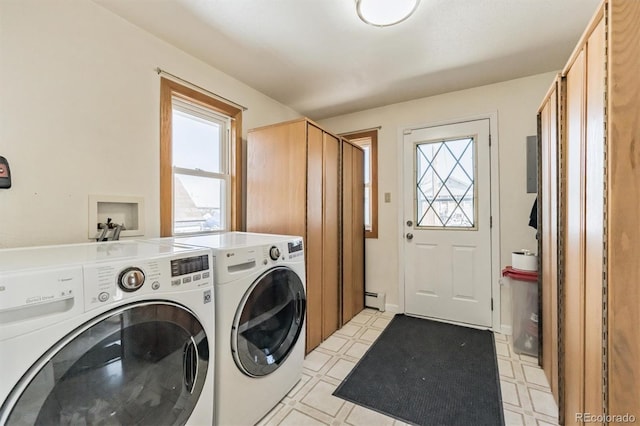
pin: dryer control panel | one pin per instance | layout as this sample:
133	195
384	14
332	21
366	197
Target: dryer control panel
113	282
235	263
295	249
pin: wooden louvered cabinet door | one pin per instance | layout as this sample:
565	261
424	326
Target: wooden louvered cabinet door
573	282
331	235
598	235
352	231
314	242
594	157
293	187
584	236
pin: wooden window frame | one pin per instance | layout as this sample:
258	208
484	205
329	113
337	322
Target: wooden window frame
169	89
371	135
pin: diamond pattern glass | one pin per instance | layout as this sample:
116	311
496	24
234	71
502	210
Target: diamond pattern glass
445	181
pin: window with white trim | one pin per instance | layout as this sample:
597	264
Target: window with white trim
201	180
199	162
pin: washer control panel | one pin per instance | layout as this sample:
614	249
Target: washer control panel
105	283
131	279
274	253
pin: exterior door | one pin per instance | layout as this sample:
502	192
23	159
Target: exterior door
447	209
143	364
268	322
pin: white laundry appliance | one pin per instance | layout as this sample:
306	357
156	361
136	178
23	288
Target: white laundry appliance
260	327
106	333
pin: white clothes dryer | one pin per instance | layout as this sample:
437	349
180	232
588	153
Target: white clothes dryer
106	333
260	321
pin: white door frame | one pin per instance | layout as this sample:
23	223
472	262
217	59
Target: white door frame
495	208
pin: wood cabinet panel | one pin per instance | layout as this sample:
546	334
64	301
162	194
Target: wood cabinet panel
331	236
314	243
294	187
357	247
594	219
599	116
347	232
548	203
353	231
623	204
278	160
573	332
553	259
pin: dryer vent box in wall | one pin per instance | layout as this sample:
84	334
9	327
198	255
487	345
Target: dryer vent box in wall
374	300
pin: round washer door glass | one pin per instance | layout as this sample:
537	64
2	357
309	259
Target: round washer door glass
268	322
142	364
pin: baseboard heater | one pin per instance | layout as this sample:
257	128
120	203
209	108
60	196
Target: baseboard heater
374	300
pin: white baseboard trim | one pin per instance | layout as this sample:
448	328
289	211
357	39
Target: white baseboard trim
392	308
506	329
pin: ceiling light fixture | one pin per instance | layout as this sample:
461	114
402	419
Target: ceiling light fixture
384	13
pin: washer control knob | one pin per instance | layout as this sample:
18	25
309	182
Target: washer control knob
274	253
131	279
103	297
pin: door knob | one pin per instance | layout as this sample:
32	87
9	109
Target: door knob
409	236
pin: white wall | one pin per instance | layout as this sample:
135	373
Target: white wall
516	103
79	115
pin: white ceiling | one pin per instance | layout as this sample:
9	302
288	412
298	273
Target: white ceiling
317	57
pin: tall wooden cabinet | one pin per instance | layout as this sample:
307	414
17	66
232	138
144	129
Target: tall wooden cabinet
598	240
294	187
352	230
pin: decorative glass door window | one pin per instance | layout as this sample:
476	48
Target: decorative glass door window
445	183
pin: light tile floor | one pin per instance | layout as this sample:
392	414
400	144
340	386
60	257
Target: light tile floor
526	396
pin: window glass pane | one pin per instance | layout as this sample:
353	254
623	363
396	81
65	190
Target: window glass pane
199	204
367	208
367	163
368	141
197	142
445	190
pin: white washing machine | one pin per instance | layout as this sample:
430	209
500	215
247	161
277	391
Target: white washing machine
260	327
106	333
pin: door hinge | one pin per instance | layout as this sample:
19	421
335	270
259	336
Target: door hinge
492	303
489	139
490	221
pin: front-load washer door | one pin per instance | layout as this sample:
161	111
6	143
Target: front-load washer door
268	322
141	364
